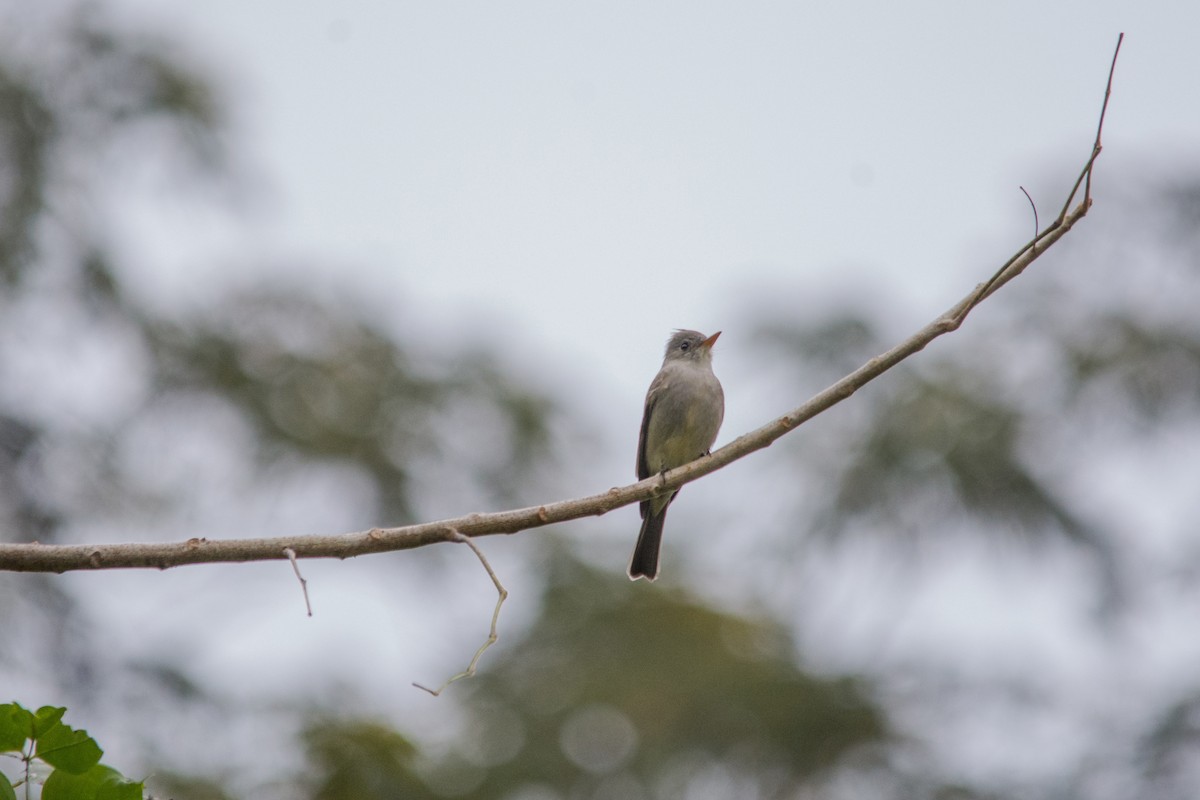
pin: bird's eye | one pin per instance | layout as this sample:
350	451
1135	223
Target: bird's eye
685	346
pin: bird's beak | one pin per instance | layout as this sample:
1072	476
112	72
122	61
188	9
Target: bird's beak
710	341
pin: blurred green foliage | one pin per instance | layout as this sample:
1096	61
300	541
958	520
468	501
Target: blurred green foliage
620	690
976	432
360	759
317	381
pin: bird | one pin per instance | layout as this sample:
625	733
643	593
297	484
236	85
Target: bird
685	405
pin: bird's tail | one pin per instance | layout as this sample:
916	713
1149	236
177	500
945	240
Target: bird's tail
644	563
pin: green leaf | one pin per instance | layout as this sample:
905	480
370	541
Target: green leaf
16	724
117	787
46	718
6	789
98	783
68	749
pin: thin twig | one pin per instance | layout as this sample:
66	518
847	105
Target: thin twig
291	554
36	557
1036	227
501	596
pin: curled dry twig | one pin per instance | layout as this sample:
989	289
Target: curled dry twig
501	596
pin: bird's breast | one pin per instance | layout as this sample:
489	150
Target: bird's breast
686	418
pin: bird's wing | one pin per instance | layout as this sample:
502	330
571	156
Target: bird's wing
643	469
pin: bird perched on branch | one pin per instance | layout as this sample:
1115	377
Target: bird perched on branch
684	408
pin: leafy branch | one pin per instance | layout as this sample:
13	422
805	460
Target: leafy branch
73	757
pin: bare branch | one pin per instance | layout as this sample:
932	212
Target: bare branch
35	557
501	596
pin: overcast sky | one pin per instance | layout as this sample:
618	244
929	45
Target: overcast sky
587	176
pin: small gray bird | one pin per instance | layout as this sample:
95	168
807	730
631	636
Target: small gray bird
684	409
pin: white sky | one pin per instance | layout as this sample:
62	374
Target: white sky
589	176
